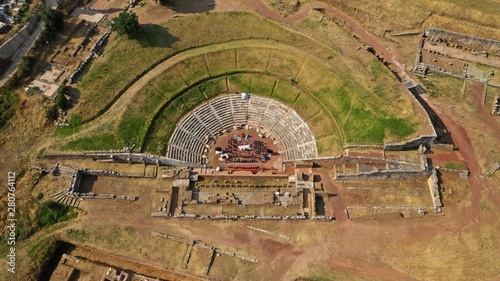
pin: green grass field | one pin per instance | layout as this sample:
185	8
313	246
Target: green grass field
340	104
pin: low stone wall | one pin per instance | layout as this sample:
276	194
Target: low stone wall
236	217
364	146
346	160
477	43
386	175
224	252
104	196
67	156
94	49
445	146
434	190
269	232
131	158
105	173
407	34
451	170
161	214
412	143
415	142
205	246
75	181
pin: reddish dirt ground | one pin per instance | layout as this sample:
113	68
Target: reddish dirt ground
479	182
334	193
477	98
451	157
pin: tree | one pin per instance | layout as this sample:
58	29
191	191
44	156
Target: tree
26	65
44	37
125	23
54	19
61	101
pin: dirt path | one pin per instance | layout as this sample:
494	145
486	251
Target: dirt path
477	98
478	181
333	191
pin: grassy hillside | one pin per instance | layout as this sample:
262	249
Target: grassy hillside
358	98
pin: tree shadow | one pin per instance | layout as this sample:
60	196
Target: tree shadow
190	7
4	66
153	35
108	11
75	95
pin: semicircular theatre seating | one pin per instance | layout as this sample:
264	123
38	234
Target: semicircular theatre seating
200	129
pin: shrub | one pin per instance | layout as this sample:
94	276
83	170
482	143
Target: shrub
52	212
50	112
61	101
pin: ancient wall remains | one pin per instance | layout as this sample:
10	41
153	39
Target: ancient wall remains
346	160
463	40
124	157
434	190
385	175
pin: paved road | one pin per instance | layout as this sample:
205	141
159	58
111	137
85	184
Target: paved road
25	47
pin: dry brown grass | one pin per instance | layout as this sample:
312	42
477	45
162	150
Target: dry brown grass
401	16
463	256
